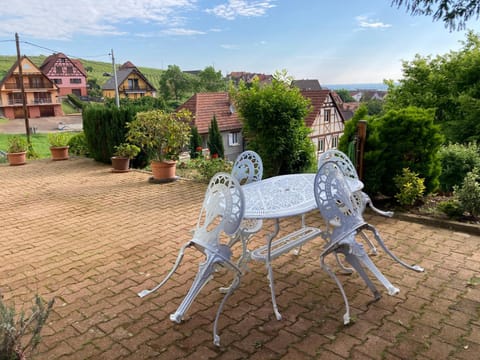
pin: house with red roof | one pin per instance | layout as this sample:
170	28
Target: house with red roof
41	94
68	74
204	106
326	119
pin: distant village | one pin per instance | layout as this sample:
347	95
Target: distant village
47	85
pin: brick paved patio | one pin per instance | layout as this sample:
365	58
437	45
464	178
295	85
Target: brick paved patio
93	239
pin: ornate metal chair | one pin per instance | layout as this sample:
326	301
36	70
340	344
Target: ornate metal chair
222	211
344	221
247	168
360	198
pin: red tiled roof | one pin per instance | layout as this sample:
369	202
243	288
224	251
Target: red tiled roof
204	105
318	99
127	65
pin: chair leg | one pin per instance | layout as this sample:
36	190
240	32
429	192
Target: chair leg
204	275
416	268
231	288
373	249
345	269
352	259
369	202
346	316
146	292
358	253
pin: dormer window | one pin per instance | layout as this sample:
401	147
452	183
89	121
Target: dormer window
232	109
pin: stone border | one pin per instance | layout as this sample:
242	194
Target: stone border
442	223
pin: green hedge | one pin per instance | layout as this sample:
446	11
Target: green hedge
104	128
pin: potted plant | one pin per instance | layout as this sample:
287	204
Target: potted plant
122	155
59	145
17	150
162	136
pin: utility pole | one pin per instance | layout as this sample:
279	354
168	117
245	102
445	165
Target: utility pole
22	88
117	99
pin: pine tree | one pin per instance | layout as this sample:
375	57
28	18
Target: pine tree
195	142
215	143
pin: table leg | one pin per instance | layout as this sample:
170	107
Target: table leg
270	238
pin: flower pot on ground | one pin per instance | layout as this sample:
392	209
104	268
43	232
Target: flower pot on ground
17	150
59	145
122	155
162	136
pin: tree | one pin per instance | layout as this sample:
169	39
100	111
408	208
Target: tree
345	95
449	85
211	80
214	142
273	119
401	139
195	142
454	13
174	83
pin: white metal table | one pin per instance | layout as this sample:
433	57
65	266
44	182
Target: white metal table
276	198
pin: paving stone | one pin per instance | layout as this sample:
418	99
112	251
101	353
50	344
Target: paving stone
117	234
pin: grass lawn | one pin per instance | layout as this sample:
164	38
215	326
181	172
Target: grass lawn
39	142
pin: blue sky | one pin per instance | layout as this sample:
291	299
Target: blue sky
336	42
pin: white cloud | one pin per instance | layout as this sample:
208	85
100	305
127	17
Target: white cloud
51	19
229	46
182	32
365	22
236	8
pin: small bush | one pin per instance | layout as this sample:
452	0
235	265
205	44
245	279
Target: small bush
469	193
208	167
78	145
410	186
457	160
20	333
452	208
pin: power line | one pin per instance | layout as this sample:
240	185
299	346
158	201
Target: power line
56	51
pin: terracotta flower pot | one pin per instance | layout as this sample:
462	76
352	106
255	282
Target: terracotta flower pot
19	158
163	171
59	153
120	164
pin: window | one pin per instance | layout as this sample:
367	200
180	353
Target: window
233	139
75	81
57	81
133	84
58	69
334	142
69	69
326	115
321	145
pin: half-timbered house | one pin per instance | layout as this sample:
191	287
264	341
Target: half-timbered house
68	74
40	92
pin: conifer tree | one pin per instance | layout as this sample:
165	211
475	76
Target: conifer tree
195	142
215	143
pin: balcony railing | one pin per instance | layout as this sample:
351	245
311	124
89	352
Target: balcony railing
19	102
10	86
137	89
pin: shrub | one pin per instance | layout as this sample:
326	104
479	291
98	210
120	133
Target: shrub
75	101
78	145
452	208
469	192
16	144
104	128
410	186
19	333
58	139
209	167
456	161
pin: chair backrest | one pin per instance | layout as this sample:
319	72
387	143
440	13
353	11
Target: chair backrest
222	209
335	201
248	167
342	160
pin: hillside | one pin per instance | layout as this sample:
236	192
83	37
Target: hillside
95	69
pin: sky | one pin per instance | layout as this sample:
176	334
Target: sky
336	42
